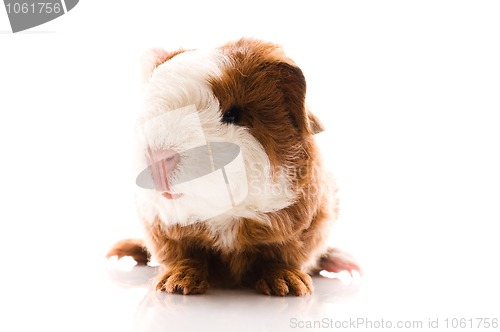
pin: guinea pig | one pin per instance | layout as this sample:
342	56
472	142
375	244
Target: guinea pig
232	122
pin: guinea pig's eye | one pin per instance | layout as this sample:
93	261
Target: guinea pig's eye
232	115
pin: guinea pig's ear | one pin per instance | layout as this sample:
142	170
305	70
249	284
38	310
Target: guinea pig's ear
315	126
152	59
293	85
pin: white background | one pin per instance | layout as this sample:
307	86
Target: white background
409	93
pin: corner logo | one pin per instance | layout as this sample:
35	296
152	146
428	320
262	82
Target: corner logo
208	175
26	14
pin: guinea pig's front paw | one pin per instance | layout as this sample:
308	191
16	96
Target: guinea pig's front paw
282	281
183	280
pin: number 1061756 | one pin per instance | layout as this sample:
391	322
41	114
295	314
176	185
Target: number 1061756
33	8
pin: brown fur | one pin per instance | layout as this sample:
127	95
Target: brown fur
270	89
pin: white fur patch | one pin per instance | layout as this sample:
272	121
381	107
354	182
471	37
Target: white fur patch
176	84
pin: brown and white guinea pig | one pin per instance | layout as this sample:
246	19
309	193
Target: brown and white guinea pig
248	97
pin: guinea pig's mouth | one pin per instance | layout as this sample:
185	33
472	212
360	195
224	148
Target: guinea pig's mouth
209	179
169	195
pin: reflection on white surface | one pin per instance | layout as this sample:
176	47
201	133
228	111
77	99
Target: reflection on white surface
347	278
407	295
221	309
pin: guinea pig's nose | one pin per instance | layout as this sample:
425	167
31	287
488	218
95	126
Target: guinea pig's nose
162	163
